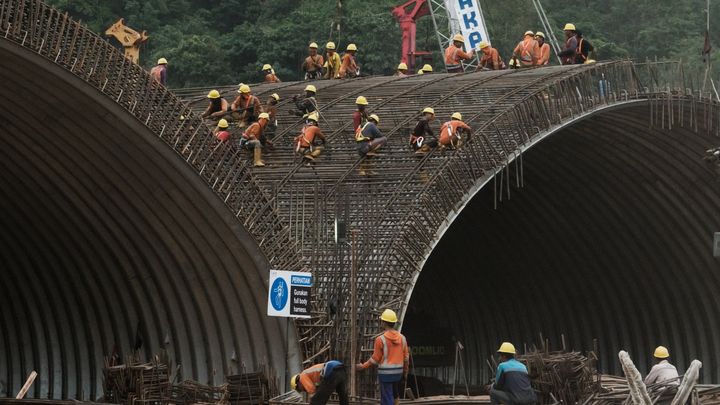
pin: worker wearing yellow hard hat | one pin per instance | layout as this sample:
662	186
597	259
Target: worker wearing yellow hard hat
305	104
527	51
217	106
402	70
454	132
662	371
253	138
360	115
310	142
576	49
271	108
454	55
422	138
349	67
159	72
332	62
490	59
269	74
320	381
391	356
369	139
313	64
512	382
221	130
246	107
544	58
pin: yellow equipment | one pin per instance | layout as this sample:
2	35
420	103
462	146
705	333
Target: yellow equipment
427	68
314	117
483	44
244	89
361	100
213	94
528	32
293	382
264	116
661	352
458	38
313	45
351	47
223	123
266	67
507	348
420	72
540	34
310	87
275	96
162	61
457	116
428	110
402	66
389	315
330	46
128	38
375	118
569	27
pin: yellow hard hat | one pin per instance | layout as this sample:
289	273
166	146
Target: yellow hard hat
507	348
458	38
361	100
314	117
528	32
420	72
402	66
351	47
293	382
275	96
213	94
264	116
162	61
310	87
330	45
589	62
377	119
428	110
244	89
388	315
661	352
267	67
223	123
569	27
457	116
483	44
312	45
427	68
540	34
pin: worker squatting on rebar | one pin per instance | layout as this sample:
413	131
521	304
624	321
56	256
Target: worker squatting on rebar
246	108
454	132
512	384
311	141
305	104
253	138
422	138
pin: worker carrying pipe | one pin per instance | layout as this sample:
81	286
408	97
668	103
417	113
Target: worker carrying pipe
321	380
453	132
454	55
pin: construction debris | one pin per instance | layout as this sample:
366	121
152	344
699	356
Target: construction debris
252	388
567	377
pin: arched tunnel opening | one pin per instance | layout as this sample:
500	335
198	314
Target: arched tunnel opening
610	238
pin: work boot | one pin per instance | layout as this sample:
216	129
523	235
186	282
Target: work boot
423	149
257	155
316	153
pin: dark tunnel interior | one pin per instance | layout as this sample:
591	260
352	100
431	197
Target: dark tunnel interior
610	238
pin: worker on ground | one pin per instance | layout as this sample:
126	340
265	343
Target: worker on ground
544	58
321	380
422	138
453	132
253	138
392	358
427	68
305	104
246	107
490	59
360	116
271	109
332	62
527	51
402	70
269	74
662	371
313	64
349	67
454	55
369	138
512	382
221	130
217	107
567	55
311	141
159	72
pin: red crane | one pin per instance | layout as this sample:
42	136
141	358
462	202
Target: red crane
407	15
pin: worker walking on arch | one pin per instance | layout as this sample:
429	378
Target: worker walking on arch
422	138
544	58
490	59
269	74
349	67
332	62
217	107
662	371
313	64
454	55
311	141
527	51
454	132
253	138
321	380
369	138
512	382
306	104
159	71
392	358
246	107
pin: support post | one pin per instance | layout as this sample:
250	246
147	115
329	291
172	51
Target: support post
353	315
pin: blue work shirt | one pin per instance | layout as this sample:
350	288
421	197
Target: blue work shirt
512	377
370	130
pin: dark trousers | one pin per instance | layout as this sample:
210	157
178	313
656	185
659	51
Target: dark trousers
503	397
336	383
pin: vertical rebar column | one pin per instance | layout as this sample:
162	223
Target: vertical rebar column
353	315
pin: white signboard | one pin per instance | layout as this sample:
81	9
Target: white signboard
466	17
289	294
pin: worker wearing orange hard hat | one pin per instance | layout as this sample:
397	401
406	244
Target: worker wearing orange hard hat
246	107
332	62
349	67
527	51
392	358
454	55
253	138
217	106
544	58
512	382
313	64
159	71
269	74
662	371
453	132
490	59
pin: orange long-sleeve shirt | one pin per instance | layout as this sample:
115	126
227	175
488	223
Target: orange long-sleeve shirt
397	360
491	59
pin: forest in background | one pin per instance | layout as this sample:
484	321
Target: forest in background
212	42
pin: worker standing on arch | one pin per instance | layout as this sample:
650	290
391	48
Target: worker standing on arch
159	72
422	138
567	56
544	58
269	74
392	358
313	64
332	62
349	67
527	51
360	116
453	132
454	55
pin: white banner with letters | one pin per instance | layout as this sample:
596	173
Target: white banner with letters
467	18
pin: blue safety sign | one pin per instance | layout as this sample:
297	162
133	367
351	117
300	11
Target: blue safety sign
289	294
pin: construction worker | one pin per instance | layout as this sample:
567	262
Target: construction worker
246	107
360	116
527	51
392	358
349	67
311	141
422	138
512	382
427	68
401	70
253	138
271	109
313	64
269	74
321	380
159	72
490	59
305	104
567	56
662	371
332	62
453	132
369	138
544	58
217	107
454	55
221	131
